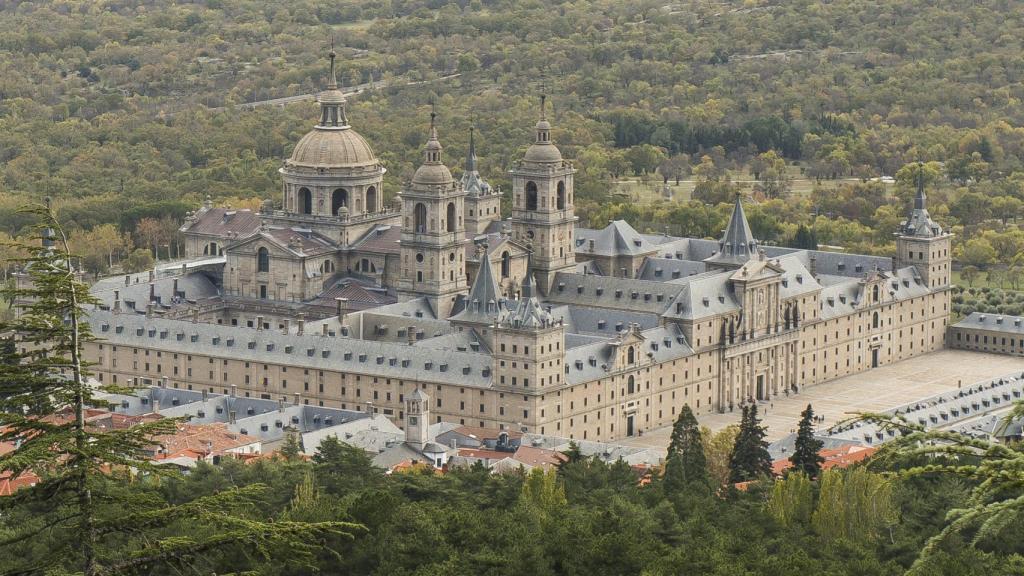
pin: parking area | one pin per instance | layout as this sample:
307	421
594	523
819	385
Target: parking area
878	389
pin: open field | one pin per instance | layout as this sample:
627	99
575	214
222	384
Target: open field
879	389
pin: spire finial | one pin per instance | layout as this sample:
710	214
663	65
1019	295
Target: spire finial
332	81
543	100
471	154
919	200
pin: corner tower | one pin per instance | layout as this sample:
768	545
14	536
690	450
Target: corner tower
542	205
433	244
921	242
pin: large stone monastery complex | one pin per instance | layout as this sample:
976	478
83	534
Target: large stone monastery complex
530	323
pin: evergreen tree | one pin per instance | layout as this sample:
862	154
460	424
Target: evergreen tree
750	458
686	466
44	393
806	457
291	449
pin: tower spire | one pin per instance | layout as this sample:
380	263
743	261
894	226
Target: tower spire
920	199
471	154
332	80
332	100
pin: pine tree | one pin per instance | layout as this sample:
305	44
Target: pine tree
686	466
750	459
291	449
44	393
806	457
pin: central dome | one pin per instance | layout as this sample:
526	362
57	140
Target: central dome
332	148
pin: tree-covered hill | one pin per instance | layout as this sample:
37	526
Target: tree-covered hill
114	106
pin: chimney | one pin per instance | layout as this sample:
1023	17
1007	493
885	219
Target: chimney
127	279
259	322
152	292
156	406
234	390
302	323
231	416
411	334
342	306
174	291
184	268
324	326
286	327
149	310
206	395
814	265
296	402
152	274
280	405
163	382
369	408
117	302
195	315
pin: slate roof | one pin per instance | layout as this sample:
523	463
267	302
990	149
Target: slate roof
738	243
381	239
591	362
223	223
992	322
666	269
482	303
618	238
608	292
374	358
195	287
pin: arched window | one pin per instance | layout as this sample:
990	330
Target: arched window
263	260
531	195
305	201
631	356
560	199
420	218
371	199
506	264
327	267
874	320
631	384
450	217
339	198
364	265
874	293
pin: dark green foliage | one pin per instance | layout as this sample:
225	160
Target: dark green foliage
806	457
79	516
685	466
750	459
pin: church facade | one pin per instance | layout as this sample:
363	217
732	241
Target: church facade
529	323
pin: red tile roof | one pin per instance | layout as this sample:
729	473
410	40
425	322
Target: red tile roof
834	458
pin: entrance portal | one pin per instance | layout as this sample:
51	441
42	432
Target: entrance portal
760	387
874	358
629	426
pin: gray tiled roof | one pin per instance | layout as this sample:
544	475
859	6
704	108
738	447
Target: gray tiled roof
738	243
993	322
195	287
618	238
593	361
665	269
481	305
374	358
608	292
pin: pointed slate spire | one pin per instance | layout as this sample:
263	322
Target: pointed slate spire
738	243
526	289
471	155
920	199
484	296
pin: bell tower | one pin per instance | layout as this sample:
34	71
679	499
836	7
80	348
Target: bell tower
542	205
921	242
433	244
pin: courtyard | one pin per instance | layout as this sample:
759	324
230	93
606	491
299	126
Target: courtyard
878	389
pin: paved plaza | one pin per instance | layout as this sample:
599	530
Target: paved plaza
875	390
